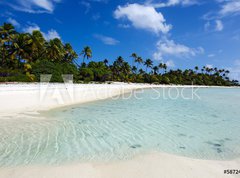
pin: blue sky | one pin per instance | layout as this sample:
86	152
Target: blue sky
181	33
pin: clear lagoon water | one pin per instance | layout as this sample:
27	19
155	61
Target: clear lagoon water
116	129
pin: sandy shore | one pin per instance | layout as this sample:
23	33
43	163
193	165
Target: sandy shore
152	165
23	98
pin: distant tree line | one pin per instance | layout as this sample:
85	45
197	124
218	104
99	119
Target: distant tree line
24	57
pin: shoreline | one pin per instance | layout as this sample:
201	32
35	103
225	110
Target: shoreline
32	98
19	98
148	165
23	98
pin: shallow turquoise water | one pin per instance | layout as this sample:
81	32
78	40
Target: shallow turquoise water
206	128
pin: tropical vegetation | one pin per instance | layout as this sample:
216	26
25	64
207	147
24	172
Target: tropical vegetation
25	56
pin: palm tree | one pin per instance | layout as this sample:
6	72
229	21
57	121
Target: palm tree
115	70
6	31
208	70
161	66
148	63
87	53
141	71
23	47
134	69
25	52
70	54
105	61
6	36
55	50
139	61
227	72
120	60
134	56
216	72
224	72
38	45
196	68
117	67
203	69
155	70
126	70
165	67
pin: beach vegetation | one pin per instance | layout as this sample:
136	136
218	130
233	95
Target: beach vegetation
25	56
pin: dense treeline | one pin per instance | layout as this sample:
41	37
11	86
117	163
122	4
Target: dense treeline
24	57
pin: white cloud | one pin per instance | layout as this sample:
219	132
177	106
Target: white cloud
51	34
219	25
172	3
230	7
13	22
34	6
143	17
207	26
31	28
227	8
170	48
210	66
170	63
87	5
106	40
211	55
213	26
44	4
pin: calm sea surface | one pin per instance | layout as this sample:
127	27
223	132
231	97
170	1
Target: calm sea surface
205	127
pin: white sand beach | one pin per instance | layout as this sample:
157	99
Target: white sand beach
21	98
152	165
16	99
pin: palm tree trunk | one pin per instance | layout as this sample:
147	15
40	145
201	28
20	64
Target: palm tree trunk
76	63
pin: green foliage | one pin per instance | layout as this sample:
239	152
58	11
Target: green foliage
165	80
24	57
54	68
154	79
86	74
33	55
87	53
9	75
